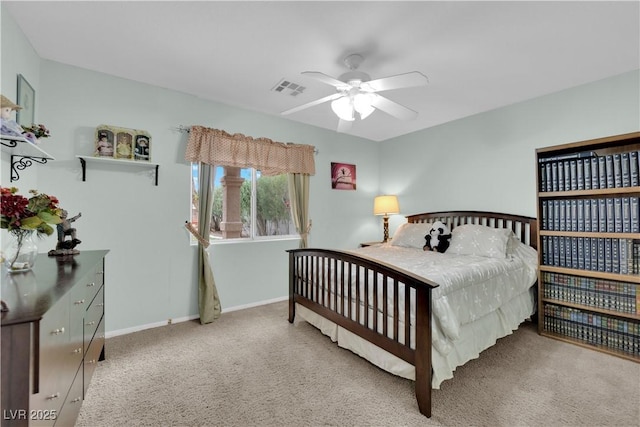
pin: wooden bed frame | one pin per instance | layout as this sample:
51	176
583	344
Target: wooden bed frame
307	275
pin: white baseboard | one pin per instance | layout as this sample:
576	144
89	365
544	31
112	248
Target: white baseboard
131	330
255	304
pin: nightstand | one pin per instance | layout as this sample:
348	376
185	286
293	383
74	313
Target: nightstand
365	244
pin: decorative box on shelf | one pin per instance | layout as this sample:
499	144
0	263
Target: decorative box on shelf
23	154
110	160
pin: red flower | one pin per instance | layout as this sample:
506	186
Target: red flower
13	205
18	213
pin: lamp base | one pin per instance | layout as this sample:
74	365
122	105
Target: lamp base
385	222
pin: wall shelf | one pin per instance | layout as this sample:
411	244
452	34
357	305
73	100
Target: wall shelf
23	154
133	163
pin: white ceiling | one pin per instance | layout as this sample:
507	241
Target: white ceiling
477	55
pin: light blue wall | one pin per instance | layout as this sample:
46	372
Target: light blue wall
18	57
150	269
487	161
482	162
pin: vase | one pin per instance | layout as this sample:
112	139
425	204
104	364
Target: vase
20	251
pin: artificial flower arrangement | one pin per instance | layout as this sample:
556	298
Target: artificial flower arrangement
37	130
22	216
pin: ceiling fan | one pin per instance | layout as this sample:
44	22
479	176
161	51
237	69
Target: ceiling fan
357	95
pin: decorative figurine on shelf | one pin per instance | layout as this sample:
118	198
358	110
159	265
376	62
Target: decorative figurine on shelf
64	246
141	151
104	147
8	125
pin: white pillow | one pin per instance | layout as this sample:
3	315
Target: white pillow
481	240
411	235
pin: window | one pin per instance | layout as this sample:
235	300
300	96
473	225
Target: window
246	205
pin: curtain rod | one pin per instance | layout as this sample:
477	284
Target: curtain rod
187	129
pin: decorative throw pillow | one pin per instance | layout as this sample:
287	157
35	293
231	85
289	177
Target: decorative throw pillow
481	240
411	235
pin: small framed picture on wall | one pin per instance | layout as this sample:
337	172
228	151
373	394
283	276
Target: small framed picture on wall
343	176
27	100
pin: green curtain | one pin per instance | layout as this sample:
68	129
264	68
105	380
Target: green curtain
208	300
299	196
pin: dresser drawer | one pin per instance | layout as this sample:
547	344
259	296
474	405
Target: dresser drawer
92	317
92	283
93	355
77	309
56	360
72	404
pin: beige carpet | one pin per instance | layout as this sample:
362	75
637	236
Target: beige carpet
253	368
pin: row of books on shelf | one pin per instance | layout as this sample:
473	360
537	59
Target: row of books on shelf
610	255
594	329
606	294
587	170
605	215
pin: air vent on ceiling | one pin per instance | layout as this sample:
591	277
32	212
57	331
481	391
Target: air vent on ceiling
289	88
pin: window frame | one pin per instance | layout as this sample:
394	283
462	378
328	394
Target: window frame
252	238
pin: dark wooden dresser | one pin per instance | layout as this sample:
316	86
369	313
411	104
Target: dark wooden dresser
52	338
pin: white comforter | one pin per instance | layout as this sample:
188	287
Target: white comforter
470	286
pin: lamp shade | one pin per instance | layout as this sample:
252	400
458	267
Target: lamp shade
385	205
343	108
362	104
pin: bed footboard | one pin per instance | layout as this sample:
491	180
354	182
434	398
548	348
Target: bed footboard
371	299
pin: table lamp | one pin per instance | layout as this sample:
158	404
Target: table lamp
386	205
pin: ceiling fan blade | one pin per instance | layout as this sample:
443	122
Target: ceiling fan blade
312	103
344	126
412	79
392	108
327	79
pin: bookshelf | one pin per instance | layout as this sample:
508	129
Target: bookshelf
588	203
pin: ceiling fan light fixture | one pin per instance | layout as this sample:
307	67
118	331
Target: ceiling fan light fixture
362	104
343	108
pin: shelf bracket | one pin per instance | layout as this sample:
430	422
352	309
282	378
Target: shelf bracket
83	162
11	143
20	163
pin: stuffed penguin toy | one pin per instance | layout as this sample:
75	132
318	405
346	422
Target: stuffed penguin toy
438	238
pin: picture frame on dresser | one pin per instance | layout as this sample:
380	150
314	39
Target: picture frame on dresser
588	203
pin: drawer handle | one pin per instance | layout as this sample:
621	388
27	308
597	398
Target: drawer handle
53	396
100	272
58	331
79	302
100	305
76	400
90	285
92	361
91	323
78	350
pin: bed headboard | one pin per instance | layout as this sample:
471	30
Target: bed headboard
526	228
